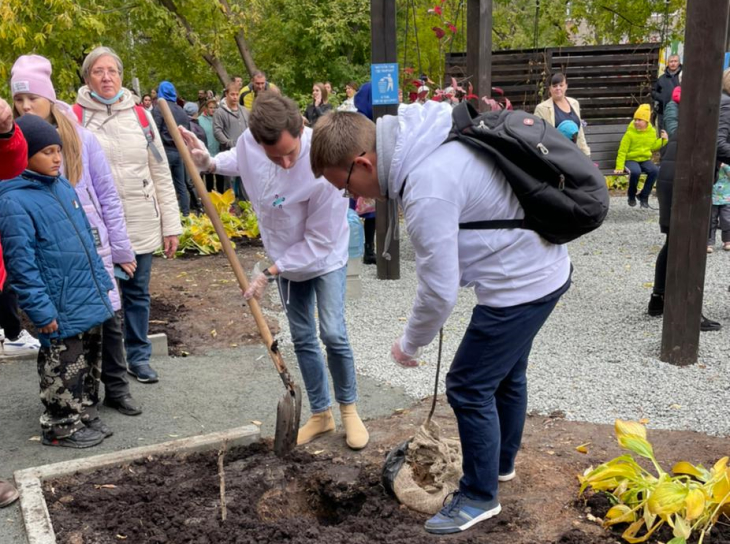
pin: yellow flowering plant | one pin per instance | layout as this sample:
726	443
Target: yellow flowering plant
690	499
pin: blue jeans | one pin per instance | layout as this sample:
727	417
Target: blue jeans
299	300
136	306
177	170
635	169
487	388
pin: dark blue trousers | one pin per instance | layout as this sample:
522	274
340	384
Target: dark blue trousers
635	169
487	389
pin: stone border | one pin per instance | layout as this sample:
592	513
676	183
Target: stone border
38	527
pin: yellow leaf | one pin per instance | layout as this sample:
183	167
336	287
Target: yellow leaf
682	528
619	514
582	448
257	423
623	428
695	505
683	467
720	465
721	489
214	333
636	444
668	498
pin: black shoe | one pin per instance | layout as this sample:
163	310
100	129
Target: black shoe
656	305
124	405
707	325
632	202
98	425
644	203
85	437
369	255
144	373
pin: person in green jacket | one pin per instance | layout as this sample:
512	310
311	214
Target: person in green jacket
634	154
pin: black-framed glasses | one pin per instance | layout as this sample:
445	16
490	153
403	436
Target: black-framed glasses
347	193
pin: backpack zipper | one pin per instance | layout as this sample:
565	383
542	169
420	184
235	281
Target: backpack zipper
544	151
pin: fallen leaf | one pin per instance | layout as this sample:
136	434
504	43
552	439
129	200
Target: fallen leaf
318	452
173	435
121	537
105	486
256	422
648	284
644	421
582	448
675	406
214	333
35	439
234	345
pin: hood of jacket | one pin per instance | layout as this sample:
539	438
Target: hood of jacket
167	91
85	100
677	94
405	141
24	181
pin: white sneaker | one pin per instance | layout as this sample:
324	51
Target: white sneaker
2	335
507	477
25	343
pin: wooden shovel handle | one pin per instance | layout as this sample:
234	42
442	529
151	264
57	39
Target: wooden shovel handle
212	214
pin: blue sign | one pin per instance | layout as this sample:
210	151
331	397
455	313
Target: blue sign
384	78
727	61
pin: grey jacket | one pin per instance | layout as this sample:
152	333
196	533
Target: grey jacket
228	125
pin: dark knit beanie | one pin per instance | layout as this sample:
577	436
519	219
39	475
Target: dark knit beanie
38	133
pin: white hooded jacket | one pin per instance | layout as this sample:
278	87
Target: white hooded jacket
450	184
302	219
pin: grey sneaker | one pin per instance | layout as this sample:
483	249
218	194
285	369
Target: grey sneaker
460	514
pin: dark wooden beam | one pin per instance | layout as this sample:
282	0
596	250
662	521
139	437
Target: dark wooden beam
383	36
479	46
704	48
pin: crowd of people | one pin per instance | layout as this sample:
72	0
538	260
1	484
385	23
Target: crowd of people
92	190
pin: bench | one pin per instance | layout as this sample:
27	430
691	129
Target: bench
604	141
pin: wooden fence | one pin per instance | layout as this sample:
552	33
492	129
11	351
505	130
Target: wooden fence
610	81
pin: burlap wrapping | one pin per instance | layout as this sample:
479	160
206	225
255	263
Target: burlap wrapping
432	470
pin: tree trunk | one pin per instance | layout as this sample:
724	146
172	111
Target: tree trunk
213	61
241	43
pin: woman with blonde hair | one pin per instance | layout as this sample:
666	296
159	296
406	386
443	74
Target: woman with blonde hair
85	166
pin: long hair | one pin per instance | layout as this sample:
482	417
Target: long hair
323	92
72	162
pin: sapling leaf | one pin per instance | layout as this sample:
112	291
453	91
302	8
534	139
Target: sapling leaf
683	467
694	504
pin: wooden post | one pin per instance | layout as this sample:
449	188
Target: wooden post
704	41
479	46
383	36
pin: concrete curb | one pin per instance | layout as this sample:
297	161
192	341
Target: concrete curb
38	526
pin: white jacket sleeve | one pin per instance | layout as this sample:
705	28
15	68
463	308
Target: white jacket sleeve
325	214
164	189
433	227
226	163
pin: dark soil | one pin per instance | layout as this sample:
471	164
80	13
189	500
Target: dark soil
197	303
324	493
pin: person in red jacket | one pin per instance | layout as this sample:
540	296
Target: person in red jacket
13	160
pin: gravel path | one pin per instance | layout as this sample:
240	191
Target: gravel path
597	358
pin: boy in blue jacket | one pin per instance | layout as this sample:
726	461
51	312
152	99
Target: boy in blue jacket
61	285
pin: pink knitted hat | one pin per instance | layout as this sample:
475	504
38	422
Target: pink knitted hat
32	74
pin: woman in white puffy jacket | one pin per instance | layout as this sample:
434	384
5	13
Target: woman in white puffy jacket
135	154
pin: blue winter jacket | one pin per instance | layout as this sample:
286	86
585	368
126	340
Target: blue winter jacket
49	254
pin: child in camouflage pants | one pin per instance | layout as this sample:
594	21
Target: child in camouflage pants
61	285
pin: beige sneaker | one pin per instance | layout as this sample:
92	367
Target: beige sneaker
356	434
318	424
710	249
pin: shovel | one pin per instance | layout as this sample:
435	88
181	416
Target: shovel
289	409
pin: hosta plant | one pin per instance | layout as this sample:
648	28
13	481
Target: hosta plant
200	237
690	498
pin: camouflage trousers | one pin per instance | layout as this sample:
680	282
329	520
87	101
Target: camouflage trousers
69	371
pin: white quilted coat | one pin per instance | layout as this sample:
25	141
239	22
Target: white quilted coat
144	184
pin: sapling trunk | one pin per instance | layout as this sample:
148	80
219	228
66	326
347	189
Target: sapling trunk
222	478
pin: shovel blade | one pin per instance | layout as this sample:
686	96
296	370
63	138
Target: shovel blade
288	416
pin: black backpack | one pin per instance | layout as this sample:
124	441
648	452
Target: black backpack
563	194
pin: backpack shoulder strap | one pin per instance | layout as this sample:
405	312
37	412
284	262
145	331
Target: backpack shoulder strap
149	134
80	113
